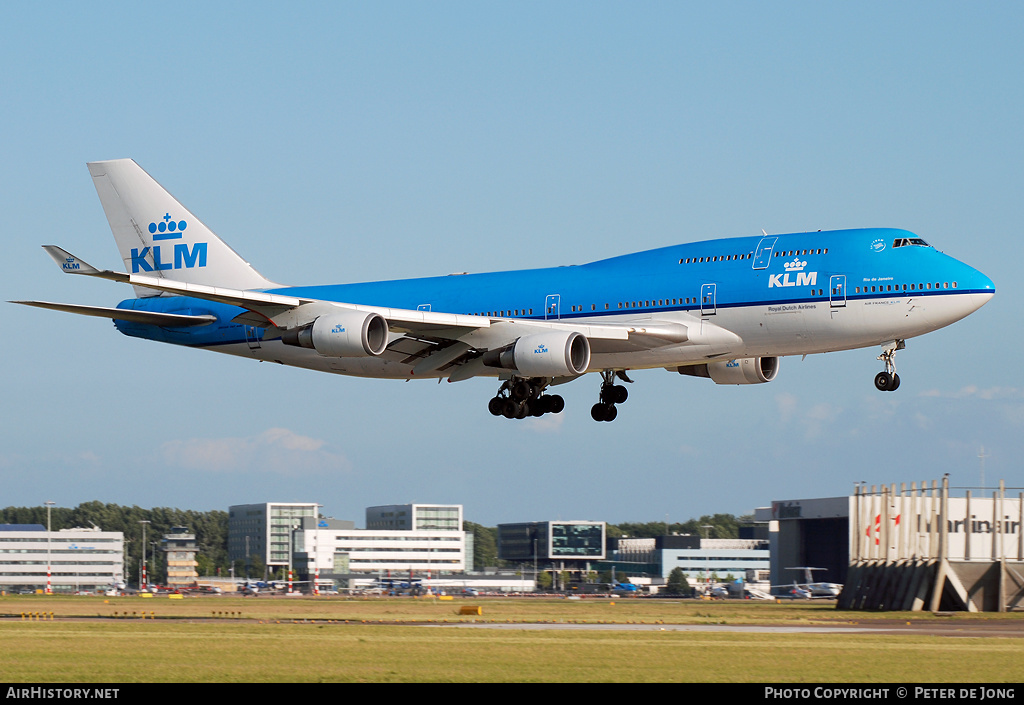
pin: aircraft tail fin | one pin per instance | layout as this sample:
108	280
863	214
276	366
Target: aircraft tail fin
157	236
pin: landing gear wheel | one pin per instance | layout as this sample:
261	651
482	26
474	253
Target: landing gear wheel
610	395
521	390
519	397
889	381
883	381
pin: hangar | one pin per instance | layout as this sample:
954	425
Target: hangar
906	548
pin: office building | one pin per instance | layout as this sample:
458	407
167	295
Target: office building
264	531
403	517
78	559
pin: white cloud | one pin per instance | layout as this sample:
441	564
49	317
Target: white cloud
548	423
276	450
787	405
973	392
812	419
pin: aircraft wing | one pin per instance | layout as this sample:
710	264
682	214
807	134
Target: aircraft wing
272	309
435	339
167	320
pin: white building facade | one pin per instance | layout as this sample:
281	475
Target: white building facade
77	559
340	550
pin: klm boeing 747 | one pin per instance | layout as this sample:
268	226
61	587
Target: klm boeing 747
724	309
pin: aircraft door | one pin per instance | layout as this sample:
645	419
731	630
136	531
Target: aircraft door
552	306
252	337
763	253
707	299
837	290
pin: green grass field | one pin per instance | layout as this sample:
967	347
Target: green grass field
384	640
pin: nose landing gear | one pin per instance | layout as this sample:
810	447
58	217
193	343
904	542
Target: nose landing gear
889	381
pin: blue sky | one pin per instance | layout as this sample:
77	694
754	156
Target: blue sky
336	142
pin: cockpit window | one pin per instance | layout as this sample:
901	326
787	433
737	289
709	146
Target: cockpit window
907	241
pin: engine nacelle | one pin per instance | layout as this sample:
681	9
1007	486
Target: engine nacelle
554	354
747	370
342	334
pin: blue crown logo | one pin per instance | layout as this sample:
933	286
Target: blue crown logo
167	229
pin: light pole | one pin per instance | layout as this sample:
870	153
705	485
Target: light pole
49	563
316	548
142	583
152	549
291	551
707	558
535	564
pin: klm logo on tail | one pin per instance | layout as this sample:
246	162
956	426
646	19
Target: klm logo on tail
168	229
184	258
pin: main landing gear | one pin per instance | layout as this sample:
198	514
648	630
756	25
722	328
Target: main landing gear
518	398
611	394
889	381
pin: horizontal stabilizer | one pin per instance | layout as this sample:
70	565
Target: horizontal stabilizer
166	320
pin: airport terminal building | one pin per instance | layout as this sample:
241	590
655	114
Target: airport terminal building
906	547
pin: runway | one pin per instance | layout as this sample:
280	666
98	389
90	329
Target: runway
1013	629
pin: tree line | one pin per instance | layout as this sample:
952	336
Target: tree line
211	531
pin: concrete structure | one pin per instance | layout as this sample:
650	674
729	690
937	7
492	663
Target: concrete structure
264	530
180	551
909	548
79	559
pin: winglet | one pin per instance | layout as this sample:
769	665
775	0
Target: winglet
69	264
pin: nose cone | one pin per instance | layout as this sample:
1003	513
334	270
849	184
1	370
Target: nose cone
978	287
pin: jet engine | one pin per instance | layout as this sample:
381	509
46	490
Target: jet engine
342	334
747	370
554	354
